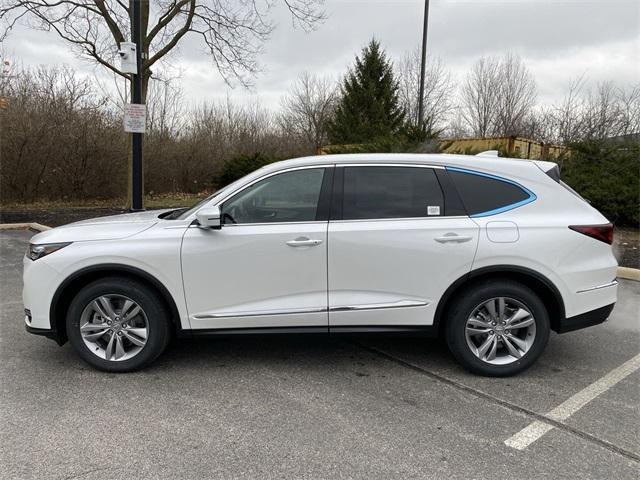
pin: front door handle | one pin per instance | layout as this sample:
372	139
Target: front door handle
453	238
304	242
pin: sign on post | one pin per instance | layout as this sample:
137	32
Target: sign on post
135	117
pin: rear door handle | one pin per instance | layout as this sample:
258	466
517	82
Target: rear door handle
453	238
304	242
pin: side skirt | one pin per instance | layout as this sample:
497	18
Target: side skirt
390	330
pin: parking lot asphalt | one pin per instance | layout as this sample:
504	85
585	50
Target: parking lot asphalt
313	407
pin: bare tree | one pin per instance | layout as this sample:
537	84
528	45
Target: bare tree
165	108
479	97
629	104
231	32
540	124
438	90
566	115
597	112
497	96
516	89
306	109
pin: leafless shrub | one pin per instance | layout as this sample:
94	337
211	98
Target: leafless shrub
62	139
57	139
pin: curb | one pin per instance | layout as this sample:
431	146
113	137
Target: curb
629	273
625	273
24	226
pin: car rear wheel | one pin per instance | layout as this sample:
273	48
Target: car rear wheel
118	324
497	328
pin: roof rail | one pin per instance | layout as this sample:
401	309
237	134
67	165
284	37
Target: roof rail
488	153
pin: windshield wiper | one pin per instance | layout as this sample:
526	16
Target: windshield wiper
172	214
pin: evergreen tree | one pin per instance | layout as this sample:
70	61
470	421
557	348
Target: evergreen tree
369	108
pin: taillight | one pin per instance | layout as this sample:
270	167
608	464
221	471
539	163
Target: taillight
604	233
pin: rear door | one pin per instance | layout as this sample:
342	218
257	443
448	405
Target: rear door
396	242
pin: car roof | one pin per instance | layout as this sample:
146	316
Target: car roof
497	165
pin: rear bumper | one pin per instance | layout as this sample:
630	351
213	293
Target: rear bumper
584	320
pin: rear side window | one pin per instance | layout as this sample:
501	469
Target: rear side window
484	195
391	192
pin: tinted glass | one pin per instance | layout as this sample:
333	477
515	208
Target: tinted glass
482	194
391	192
285	197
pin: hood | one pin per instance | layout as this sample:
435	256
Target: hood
103	228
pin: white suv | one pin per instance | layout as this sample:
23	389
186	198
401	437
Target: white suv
492	253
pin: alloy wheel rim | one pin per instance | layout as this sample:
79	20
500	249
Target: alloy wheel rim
114	327
500	330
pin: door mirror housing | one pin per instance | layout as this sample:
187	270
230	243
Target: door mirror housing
209	217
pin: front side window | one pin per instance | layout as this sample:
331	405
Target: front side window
285	197
484	194
391	192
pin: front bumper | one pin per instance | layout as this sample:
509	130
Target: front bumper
45	332
584	320
40	281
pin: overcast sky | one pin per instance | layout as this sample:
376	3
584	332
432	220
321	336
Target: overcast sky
559	40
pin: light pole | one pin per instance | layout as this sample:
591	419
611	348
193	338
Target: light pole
422	65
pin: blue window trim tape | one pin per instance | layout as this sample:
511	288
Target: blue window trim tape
511	206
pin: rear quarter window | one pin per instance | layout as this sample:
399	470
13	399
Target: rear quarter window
484	195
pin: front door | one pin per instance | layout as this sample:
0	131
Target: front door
394	247
267	265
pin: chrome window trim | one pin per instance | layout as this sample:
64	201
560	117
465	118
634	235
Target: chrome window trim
236	225
402	164
598	287
403	219
220	201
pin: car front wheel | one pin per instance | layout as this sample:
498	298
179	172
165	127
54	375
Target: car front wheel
497	328
118	324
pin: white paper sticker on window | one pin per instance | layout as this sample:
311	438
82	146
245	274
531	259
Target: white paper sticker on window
433	210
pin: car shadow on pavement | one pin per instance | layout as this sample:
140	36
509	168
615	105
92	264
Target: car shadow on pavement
313	351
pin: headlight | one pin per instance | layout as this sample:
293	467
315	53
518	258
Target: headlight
38	251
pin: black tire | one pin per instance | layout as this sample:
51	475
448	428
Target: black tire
159	332
463	306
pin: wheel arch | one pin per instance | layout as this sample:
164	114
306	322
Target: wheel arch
540	284
72	285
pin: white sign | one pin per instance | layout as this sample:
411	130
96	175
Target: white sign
433	210
128	60
135	117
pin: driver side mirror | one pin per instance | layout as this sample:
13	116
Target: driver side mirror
209	217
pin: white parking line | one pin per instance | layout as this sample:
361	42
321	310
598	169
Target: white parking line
535	430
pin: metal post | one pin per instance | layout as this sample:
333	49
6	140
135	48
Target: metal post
136	97
422	66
